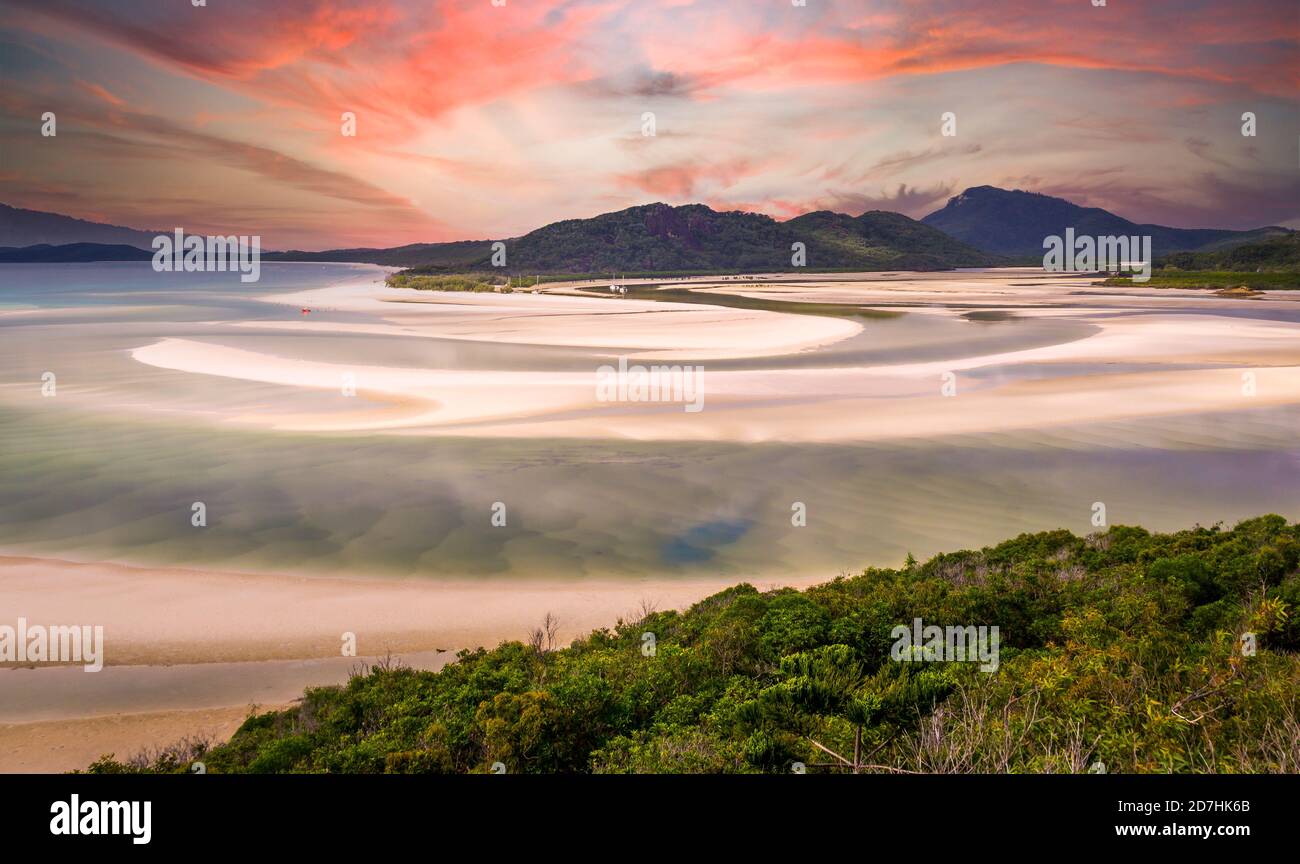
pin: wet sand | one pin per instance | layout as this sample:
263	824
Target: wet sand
72	745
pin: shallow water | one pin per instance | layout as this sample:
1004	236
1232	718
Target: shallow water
87	488
110	468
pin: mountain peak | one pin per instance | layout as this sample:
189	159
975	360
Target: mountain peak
1015	223
659	237
986	193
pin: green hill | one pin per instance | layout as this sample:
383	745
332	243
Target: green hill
1147	653
660	238
1277	254
882	240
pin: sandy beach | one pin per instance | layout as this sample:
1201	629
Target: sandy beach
191	652
168	616
56	746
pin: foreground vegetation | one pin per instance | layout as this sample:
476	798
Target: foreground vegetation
1140	652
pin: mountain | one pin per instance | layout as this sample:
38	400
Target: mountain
1014	223
20	227
889	241
692	237
71	253
659	237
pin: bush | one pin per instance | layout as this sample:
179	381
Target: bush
1123	647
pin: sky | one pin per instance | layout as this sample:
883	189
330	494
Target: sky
487	118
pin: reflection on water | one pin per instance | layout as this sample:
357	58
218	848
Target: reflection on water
702	543
87	488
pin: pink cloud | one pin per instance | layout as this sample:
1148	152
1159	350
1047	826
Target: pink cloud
475	119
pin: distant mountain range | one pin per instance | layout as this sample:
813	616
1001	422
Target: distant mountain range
1014	223
71	253
458	255
20	227
657	238
984	226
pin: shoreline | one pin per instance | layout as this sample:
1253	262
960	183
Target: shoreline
57	746
160	616
185	648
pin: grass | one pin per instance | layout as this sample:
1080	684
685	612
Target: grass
1214	279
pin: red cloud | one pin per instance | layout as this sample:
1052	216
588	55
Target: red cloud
682	179
413	70
397	62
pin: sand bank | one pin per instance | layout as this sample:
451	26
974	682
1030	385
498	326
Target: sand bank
852	403
1151	352
188	651
641	329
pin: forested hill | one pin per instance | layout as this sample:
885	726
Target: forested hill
692	237
1134	651
1279	254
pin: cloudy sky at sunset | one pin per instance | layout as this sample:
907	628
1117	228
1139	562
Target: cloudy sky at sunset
475	120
